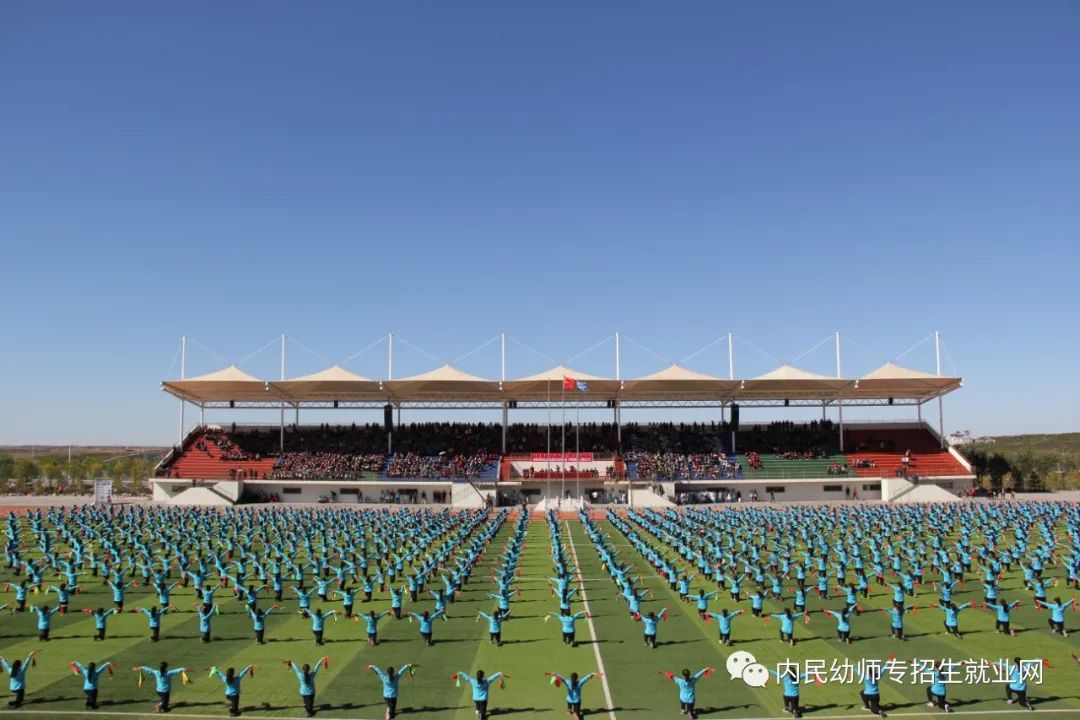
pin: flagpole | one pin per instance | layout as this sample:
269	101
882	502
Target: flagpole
548	455
577	451
562	475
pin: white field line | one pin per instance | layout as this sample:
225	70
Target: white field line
592	629
103	712
918	713
192	716
195	716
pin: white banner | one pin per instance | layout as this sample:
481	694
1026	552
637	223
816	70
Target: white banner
103	491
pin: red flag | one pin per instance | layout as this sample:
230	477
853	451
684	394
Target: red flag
569	383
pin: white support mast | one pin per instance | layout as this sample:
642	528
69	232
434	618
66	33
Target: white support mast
940	401
839	374
183	371
282	425
615	409
730	357
731	373
502	379
389	376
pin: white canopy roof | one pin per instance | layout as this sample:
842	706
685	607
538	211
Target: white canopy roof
548	385
443	383
333	383
787	382
676	382
226	385
449	384
893	381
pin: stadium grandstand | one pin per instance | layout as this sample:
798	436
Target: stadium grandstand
477	464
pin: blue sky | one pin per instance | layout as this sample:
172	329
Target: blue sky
674	171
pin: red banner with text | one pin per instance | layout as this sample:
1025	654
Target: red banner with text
562	458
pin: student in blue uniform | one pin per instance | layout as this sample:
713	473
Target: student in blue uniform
568	623
495	621
163	679
723	619
935	693
787	625
687	685
1057	614
573	684
1001	622
1017	685
91	675
426	621
232	680
871	692
390	680
650	622
481	685
100	616
790	681
44	620
372	622
306	676
17	684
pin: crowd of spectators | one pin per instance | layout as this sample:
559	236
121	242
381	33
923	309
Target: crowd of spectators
227	449
414	465
680	466
325	466
571	472
448	450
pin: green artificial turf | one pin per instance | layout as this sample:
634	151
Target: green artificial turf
531	647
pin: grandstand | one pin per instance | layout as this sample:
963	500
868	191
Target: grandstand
472	464
471	468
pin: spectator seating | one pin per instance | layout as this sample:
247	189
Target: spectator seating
204	458
886	450
697	451
776	467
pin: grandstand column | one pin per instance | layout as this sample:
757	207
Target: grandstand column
505	415
841	428
616	412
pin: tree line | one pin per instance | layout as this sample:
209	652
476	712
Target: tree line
1024	469
50	474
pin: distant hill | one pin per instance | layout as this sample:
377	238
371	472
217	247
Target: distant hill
1068	443
100	452
1043	460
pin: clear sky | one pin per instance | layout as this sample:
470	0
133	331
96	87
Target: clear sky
558	171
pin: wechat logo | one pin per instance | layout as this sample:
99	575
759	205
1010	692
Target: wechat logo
743	666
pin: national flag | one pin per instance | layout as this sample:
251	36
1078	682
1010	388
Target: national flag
569	383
